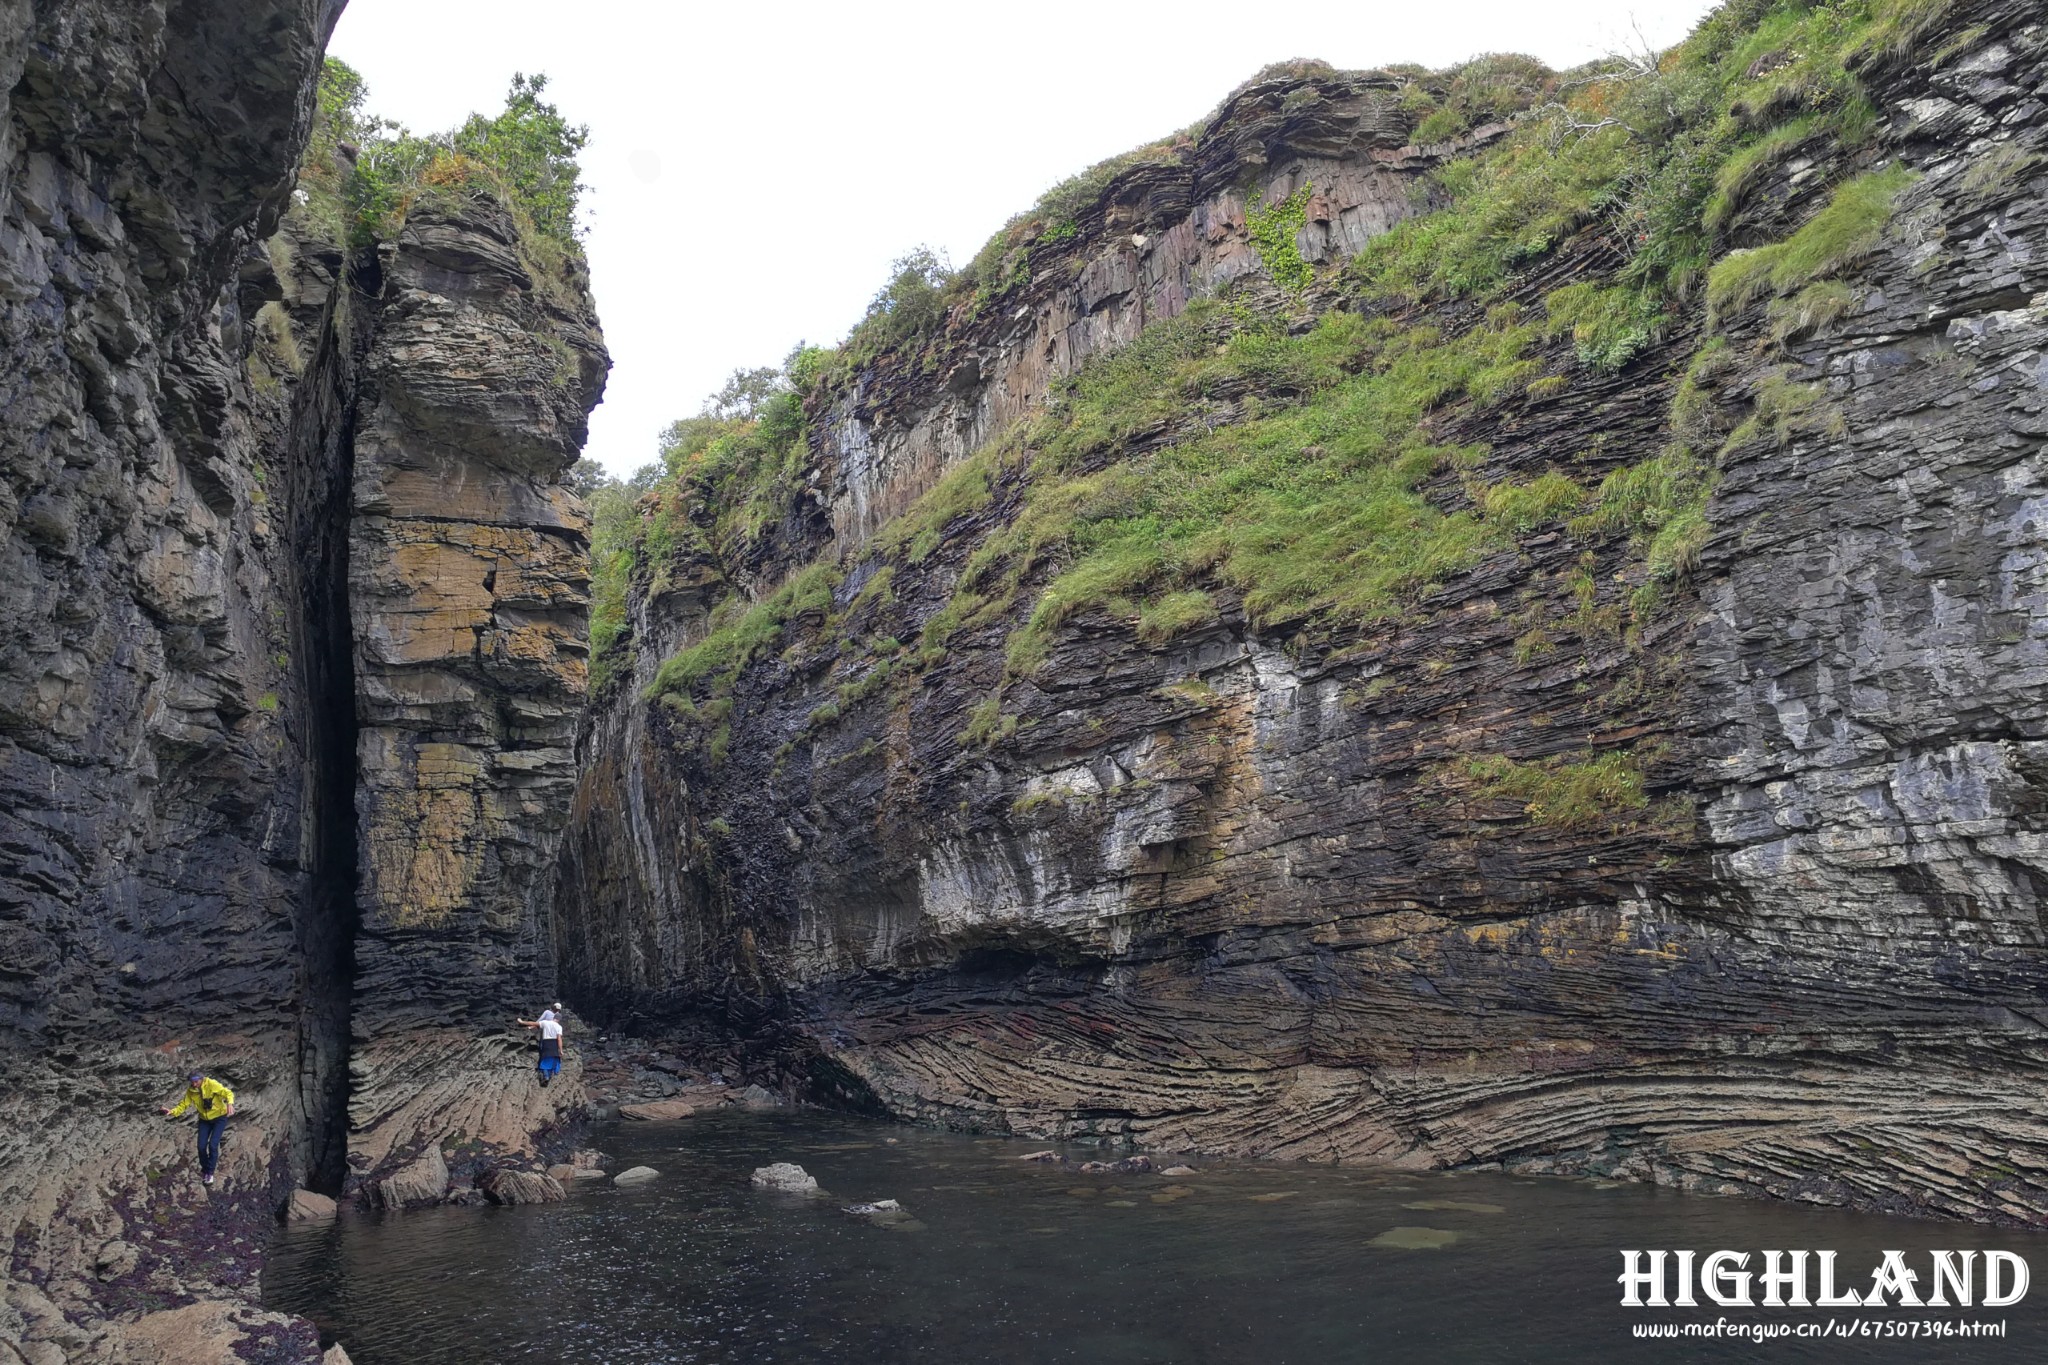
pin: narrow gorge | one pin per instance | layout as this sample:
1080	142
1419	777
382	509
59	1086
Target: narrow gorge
1488	618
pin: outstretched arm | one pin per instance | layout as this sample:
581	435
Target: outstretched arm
527	1023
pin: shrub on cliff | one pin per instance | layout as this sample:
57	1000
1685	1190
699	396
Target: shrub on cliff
361	173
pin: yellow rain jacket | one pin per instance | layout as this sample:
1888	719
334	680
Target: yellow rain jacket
210	1095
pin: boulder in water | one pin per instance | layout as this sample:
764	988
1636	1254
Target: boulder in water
1178	1170
637	1175
787	1177
422	1181
1130	1165
760	1097
507	1186
1415	1239
308	1207
1048	1156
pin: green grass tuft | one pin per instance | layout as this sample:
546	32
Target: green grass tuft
1563	793
1849	228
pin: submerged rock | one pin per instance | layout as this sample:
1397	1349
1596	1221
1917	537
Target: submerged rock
884	1213
1415	1239
1130	1165
1049	1156
657	1110
1178	1170
636	1175
786	1177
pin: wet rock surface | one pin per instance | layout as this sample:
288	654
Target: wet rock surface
305	1206
785	1178
508	1186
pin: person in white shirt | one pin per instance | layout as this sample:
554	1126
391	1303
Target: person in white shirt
550	1026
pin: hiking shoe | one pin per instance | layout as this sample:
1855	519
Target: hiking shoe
206	1179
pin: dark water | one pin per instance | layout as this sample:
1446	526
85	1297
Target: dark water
1017	1262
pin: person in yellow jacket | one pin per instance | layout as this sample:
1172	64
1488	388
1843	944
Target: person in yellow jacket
215	1102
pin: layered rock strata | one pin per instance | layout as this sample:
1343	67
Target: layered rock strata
290	572
155	836
1161	235
469	594
1237	893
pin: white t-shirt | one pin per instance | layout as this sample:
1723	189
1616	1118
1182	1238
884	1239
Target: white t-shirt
550	1029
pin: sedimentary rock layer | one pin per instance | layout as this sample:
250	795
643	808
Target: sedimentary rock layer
293	623
469	593
1240	891
155	836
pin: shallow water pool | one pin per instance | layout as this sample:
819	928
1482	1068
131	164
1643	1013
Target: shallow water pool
1013	1262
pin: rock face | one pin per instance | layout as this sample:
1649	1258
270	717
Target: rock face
289	572
1239	892
469	599
156	832
1163	234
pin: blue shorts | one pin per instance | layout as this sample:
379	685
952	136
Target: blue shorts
550	1066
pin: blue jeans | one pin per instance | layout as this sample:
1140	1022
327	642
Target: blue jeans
210	1134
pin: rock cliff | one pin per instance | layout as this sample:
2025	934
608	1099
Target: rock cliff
1634	766
294	623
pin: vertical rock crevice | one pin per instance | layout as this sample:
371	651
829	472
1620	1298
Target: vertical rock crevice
321	444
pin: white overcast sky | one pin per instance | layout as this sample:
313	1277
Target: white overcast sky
754	167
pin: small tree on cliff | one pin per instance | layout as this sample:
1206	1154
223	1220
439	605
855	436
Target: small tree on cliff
362	172
534	149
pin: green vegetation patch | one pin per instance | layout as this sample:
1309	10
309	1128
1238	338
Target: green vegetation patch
1848	228
525	156
1275	230
741	633
1565	792
1305	471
